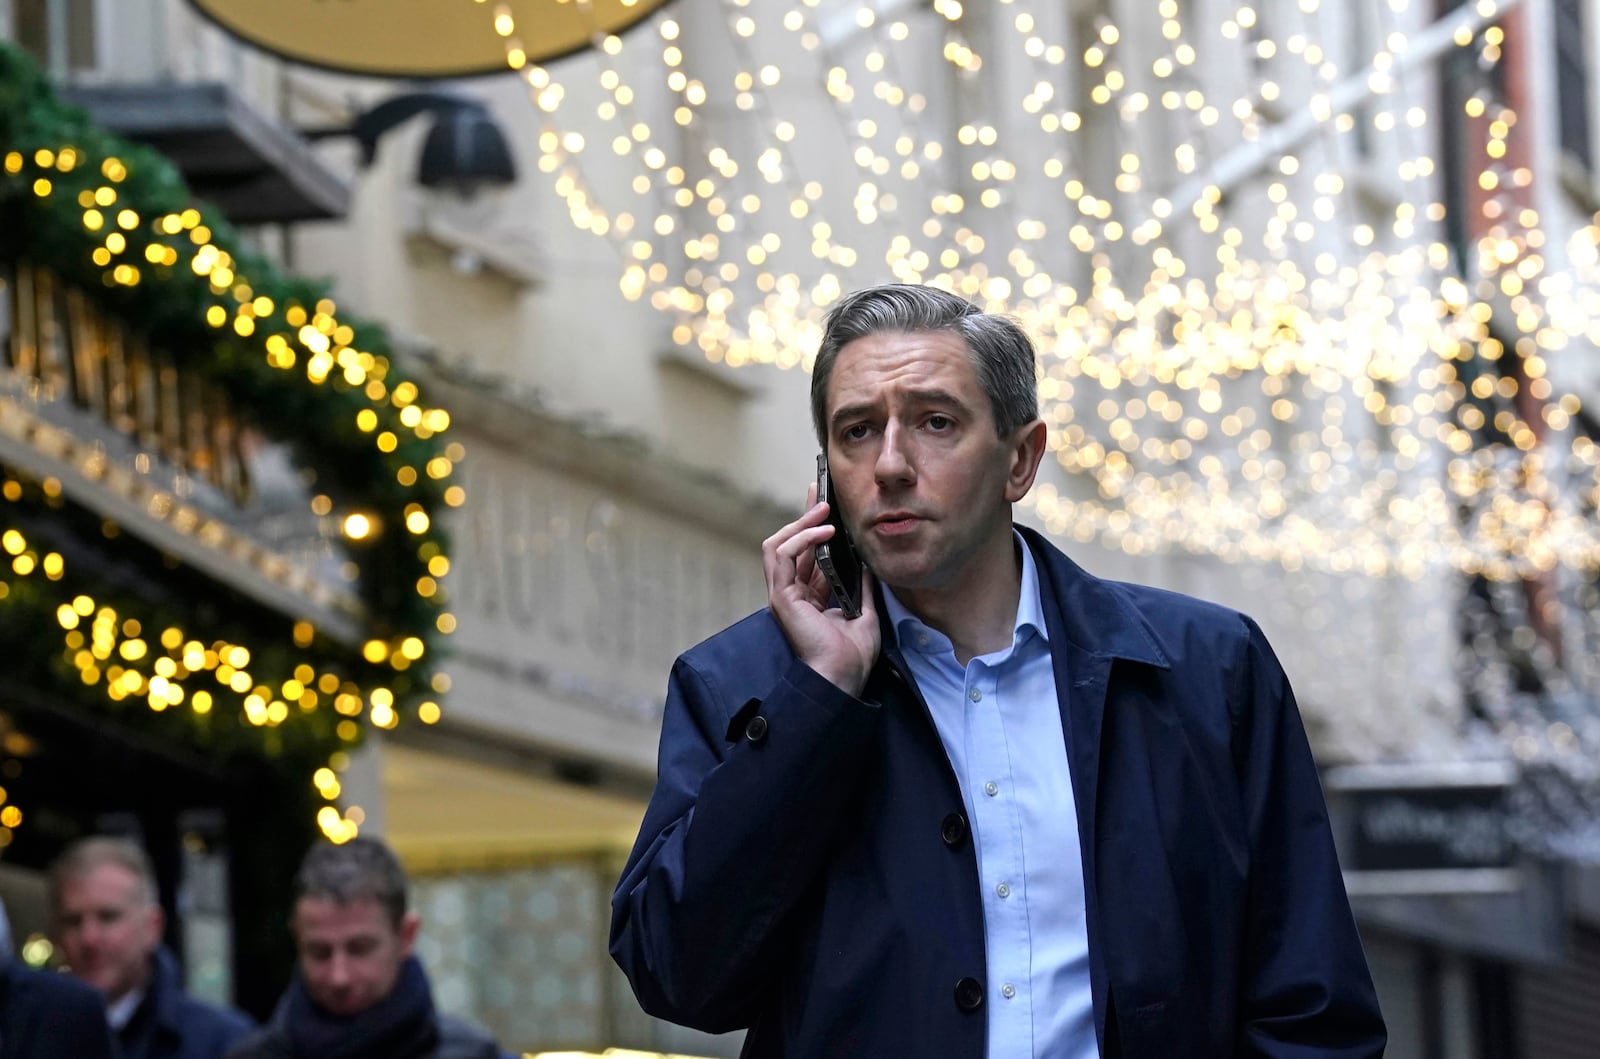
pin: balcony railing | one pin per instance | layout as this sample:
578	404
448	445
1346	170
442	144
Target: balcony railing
61	348
167	454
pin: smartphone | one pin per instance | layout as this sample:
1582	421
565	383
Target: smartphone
836	555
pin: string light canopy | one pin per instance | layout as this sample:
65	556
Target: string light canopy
422	38
1296	304
1269	329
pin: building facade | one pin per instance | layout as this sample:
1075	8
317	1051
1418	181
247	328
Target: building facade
196	633
620	472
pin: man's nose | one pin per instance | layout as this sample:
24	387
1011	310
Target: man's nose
893	466
339	970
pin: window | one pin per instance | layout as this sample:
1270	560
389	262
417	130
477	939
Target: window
1360	45
1473	72
1572	80
60	34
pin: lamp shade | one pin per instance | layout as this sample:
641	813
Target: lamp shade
465	151
422	38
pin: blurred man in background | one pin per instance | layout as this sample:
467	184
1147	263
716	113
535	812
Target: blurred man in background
44	1015
359	992
108	924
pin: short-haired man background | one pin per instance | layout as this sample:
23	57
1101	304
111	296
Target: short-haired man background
1011	810
359	992
108	923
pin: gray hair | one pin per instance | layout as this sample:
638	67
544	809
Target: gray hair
87	854
357	870
1001	351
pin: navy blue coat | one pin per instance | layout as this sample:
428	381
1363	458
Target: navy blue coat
804	867
44	1015
171	1024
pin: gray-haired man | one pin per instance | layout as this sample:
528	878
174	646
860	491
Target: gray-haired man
108	923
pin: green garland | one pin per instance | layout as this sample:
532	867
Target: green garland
139	586
53	162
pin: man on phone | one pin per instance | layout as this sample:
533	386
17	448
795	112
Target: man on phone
1011	810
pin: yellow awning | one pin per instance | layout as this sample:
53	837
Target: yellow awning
423	38
444	813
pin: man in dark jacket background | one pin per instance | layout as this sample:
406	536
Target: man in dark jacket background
45	1015
1010	811
359	992
108	924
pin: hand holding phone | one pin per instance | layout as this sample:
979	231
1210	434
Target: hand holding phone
837	556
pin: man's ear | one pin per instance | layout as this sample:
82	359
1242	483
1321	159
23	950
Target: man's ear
409	924
155	925
1027	450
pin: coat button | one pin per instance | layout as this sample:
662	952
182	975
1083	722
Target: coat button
756	730
969	994
953	830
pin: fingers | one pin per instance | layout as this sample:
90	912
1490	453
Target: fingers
791	558
787	554
841	650
805	565
805	561
794	584
810	518
869	601
816	580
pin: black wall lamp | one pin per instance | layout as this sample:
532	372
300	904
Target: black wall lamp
465	152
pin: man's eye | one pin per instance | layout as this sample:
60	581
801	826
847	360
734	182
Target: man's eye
855	432
940	422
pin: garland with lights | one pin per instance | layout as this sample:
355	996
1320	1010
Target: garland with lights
122	636
115	220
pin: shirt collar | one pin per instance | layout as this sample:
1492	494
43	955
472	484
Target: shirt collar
913	634
120	1012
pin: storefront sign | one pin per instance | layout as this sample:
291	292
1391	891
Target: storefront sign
1424	828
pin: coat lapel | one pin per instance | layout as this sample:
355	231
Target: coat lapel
1091	626
1081	681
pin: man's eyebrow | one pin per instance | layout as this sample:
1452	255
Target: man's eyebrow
938	397
848	412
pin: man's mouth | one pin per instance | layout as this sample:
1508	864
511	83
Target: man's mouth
892	523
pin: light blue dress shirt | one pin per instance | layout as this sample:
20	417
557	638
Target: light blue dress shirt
1000	723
